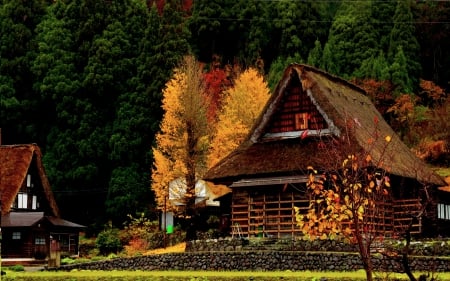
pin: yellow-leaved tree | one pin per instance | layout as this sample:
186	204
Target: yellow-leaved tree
242	103
347	198
182	142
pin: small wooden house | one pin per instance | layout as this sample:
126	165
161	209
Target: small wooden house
30	218
268	171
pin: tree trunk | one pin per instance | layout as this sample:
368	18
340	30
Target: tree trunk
190	182
405	253
364	251
366	260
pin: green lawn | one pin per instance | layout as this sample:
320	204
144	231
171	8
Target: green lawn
198	275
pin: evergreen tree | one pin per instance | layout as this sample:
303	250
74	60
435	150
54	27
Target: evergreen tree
352	39
87	69
383	13
399	74
299	24
254	28
22	117
432	33
131	131
315	55
170	47
403	35
211	29
374	67
277	69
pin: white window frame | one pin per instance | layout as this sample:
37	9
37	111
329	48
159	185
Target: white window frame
16	235
39	241
34	202
22	201
443	211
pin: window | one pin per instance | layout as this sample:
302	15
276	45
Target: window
39	241
22	200
16	235
301	121
34	202
443	211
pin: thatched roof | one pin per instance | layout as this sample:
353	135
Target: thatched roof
15	160
342	105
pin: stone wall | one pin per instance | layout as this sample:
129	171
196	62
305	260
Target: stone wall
267	255
258	261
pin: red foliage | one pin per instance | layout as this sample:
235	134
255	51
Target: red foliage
216	81
380	92
186	5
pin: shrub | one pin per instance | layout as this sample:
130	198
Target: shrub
108	241
17	267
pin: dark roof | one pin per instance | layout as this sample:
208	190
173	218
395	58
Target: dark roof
27	219
342	103
21	219
15	160
63	223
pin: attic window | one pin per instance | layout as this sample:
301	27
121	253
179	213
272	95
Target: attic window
22	200
301	121
28	180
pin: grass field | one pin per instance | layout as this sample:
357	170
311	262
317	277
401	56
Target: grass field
199	275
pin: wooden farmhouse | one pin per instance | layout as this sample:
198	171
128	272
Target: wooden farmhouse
30	218
309	111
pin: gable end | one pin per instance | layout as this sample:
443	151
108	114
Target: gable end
294	113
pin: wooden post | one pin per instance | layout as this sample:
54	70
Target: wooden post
55	253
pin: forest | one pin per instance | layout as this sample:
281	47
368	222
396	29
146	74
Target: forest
85	79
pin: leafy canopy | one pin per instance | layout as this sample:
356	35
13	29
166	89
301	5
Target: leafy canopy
241	106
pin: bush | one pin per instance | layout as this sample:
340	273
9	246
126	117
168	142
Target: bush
108	241
17	267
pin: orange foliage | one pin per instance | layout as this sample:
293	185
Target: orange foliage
182	141
434	151
403	111
136	246
431	94
241	106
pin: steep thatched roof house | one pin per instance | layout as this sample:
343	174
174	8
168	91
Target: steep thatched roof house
29	214
267	173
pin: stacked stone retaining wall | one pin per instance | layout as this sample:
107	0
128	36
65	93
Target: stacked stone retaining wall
280	255
259	261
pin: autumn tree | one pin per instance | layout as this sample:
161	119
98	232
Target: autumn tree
241	106
181	144
346	198
216	81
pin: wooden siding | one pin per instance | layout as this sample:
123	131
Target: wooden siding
297	113
270	210
26	246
